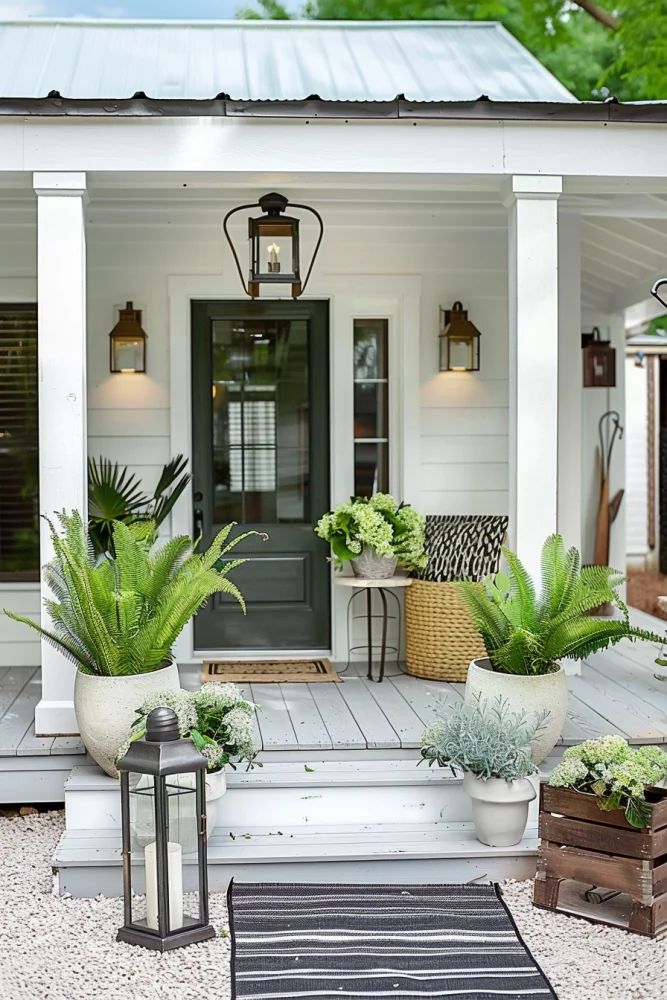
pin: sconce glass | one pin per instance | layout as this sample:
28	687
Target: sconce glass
459	341
127	342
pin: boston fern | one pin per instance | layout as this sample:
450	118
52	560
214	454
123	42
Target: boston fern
529	634
121	614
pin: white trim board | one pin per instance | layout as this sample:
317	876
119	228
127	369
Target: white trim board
396	297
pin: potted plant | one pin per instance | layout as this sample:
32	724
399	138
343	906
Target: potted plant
617	774
490	744
117	618
527	636
218	720
374	534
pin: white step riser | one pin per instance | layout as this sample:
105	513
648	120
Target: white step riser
105	880
95	809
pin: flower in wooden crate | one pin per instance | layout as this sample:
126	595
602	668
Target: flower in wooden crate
614	772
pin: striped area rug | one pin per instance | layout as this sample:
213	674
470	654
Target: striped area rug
332	941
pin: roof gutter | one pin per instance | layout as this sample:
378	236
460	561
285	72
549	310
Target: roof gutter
314	107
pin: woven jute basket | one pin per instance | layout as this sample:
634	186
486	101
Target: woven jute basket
440	640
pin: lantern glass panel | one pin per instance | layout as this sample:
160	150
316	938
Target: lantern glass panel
179	821
275	248
128	354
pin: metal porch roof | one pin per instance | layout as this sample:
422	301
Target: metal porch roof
270	60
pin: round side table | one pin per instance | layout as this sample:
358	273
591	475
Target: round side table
389	585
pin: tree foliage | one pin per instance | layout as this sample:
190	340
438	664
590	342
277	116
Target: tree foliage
595	51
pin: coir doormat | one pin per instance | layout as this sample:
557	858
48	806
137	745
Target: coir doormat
270	671
328	941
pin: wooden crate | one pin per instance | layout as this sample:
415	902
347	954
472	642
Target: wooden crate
583	847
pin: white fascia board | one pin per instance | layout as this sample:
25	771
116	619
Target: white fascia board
376	148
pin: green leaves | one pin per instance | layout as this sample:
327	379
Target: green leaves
121	614
526	634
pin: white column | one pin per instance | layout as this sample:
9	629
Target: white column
533	374
61	297
570	380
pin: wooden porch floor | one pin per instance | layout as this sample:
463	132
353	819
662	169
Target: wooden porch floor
617	692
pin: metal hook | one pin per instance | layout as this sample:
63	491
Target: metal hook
654	291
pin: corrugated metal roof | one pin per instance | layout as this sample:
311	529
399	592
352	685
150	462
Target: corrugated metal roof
270	60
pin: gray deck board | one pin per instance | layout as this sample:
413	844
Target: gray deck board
19	717
341	725
309	727
273	717
370	718
404	721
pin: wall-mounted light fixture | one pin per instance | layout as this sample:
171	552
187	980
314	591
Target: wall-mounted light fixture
599	360
459	340
127	342
274	246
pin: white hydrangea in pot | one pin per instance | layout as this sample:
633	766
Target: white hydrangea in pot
490	744
220	723
375	535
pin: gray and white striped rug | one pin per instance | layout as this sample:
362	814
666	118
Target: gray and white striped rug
332	941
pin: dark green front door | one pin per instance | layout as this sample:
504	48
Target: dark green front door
260	424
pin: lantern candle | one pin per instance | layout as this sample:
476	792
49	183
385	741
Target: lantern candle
175	882
274	263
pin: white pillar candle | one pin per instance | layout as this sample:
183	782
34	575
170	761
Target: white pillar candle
175	882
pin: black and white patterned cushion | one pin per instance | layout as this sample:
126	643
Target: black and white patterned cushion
463	547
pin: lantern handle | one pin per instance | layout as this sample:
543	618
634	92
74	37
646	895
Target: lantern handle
655	288
233	211
307	208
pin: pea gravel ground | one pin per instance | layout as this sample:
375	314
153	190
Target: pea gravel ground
54	948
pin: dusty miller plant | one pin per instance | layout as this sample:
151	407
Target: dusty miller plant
483	737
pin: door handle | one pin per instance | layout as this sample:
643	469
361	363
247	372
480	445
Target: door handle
198	523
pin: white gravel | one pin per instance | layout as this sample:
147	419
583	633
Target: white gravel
65	949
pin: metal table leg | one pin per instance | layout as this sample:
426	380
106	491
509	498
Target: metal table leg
369	632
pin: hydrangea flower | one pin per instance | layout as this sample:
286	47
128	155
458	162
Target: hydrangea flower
378	522
605	750
179	702
568	773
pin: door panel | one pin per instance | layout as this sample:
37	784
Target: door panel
261	458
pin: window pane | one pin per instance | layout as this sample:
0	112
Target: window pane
370	410
19	460
371	406
260	421
371	469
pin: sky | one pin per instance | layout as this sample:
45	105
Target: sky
190	9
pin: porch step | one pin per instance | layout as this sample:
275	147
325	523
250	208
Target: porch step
88	862
298	795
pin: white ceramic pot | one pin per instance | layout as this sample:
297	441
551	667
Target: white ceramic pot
216	786
499	808
523	693
106	708
371	566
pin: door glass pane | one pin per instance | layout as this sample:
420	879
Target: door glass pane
260	421
371	406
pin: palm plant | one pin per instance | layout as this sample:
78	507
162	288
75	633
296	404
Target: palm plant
529	634
114	494
121	614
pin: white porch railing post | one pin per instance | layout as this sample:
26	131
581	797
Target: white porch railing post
570	386
61	304
533	363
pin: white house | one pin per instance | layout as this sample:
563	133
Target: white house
446	163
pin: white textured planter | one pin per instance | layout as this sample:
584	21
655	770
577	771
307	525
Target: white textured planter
106	708
371	566
499	808
524	694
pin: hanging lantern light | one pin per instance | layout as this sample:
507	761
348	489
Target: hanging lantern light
127	342
459	340
163	811
274	246
599	360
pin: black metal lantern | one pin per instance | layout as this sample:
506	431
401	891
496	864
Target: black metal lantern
459	341
599	359
127	342
163	809
274	246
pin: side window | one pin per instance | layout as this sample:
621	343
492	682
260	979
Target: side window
371	406
19	442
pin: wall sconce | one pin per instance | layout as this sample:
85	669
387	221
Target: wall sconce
459	340
127	342
274	246
599	361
